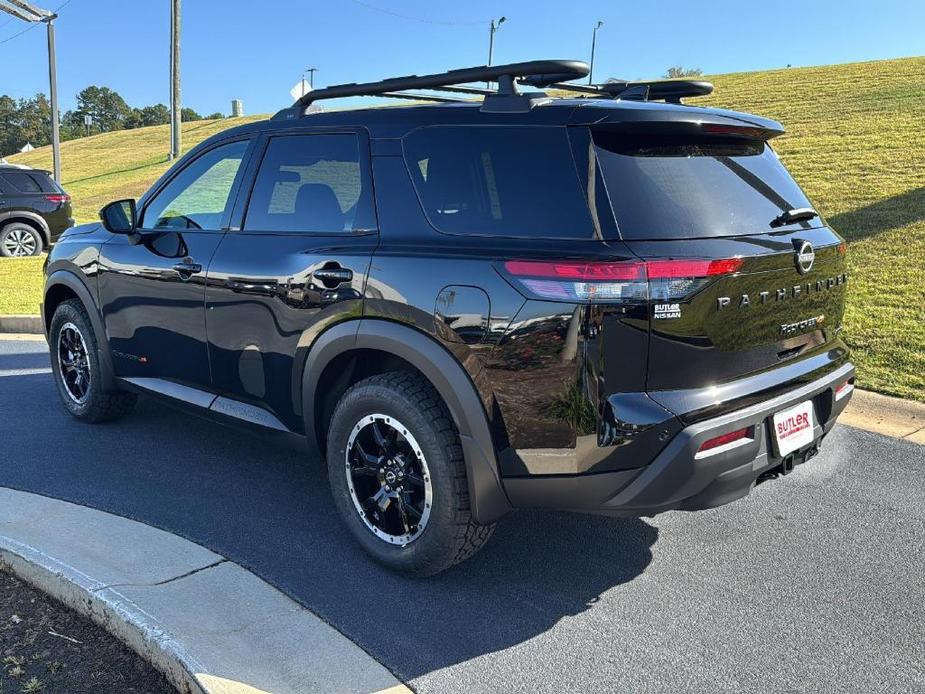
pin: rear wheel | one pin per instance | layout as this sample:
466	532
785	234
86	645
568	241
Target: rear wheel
398	477
76	366
19	240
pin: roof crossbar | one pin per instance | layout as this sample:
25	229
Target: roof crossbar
423	97
542	72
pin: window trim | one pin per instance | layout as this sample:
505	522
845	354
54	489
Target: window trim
239	214
192	157
579	177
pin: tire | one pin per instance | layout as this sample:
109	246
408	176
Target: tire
18	240
428	454
76	367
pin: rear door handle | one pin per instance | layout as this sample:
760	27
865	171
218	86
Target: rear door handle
332	276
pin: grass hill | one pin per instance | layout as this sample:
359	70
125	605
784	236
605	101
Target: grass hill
855	141
101	168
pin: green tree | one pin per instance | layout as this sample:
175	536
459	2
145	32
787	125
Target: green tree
107	107
187	115
215	116
678	71
149	115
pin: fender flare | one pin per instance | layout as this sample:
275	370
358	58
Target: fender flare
71	281
13	215
486	493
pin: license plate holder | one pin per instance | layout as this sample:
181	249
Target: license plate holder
794	428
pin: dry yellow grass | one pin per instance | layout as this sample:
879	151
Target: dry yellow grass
855	141
99	169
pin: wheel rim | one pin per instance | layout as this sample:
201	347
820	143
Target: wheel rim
19	243
388	479
74	363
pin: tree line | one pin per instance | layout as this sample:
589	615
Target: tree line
29	120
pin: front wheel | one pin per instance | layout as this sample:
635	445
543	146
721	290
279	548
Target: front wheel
398	477
77	370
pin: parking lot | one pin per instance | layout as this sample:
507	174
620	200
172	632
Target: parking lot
813	583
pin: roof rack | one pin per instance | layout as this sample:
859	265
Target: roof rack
671	91
541	73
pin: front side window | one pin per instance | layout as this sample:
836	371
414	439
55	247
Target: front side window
499	181
310	184
199	196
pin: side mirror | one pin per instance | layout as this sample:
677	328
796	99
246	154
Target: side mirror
119	217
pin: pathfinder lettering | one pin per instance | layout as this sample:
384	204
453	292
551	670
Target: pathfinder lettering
785	293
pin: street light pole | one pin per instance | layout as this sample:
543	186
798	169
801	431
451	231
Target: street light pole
491	36
593	43
492	28
30	13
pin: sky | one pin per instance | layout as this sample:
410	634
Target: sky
256	50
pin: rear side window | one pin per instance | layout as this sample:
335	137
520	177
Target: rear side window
311	184
499	181
29	182
667	187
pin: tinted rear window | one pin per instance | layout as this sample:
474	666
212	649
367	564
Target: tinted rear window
665	187
29	181
499	181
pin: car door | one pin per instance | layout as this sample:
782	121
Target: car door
152	284
298	263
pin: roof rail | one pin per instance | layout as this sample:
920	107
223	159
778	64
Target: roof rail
541	72
671	91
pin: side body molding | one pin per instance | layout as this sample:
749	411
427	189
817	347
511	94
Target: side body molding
486	494
71	281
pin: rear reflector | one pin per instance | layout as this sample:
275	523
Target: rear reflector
570	280
58	198
843	390
726	441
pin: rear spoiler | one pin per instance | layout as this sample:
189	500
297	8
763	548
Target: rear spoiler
642	118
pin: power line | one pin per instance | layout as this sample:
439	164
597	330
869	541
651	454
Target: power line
32	25
422	20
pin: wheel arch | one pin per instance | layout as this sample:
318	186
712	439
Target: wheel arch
63	285
31	219
326	377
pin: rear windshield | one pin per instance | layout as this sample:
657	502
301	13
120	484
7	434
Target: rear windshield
29	182
664	187
499	181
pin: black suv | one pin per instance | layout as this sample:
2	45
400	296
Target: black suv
615	304
34	211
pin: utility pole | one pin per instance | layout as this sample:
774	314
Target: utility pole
311	76
593	42
175	106
30	13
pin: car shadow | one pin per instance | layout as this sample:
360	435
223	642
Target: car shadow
260	500
883	215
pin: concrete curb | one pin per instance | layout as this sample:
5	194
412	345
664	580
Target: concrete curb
901	419
22	324
209	625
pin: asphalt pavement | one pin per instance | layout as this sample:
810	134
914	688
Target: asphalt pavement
815	582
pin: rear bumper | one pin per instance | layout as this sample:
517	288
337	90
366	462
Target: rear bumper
677	478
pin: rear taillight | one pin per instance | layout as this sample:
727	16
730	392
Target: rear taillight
58	198
629	280
726	442
843	390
